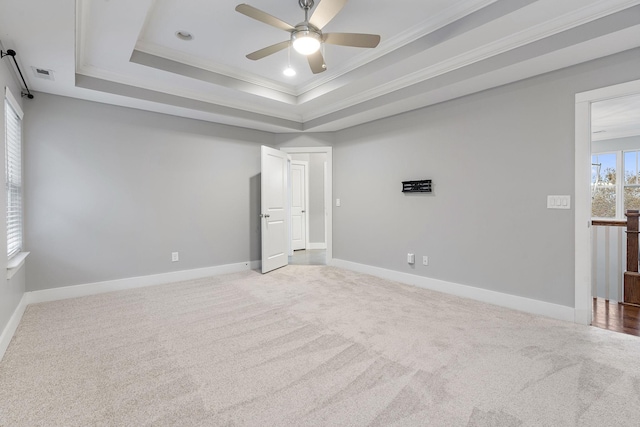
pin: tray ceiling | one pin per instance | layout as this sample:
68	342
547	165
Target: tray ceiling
127	53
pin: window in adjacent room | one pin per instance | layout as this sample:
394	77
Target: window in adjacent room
631	180
13	179
615	183
603	185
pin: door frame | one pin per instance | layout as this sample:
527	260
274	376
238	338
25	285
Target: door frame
582	202
306	203
328	191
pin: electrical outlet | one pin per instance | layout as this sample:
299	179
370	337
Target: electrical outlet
425	260
411	258
175	257
338	202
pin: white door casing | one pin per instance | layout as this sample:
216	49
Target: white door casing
583	297
274	227
299	204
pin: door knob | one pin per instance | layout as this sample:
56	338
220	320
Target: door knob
303	211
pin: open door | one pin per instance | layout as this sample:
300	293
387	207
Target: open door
273	209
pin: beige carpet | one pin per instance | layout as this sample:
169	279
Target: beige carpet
310	346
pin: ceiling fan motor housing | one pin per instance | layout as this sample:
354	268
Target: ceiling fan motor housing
306	30
305	4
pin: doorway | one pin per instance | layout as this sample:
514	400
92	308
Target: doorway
299	204
583	252
318	249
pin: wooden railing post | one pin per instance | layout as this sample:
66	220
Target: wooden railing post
631	276
632	239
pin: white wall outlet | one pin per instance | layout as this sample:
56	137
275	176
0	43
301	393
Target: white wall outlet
425	260
175	257
411	258
337	202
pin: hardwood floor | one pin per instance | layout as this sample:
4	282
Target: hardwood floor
616	317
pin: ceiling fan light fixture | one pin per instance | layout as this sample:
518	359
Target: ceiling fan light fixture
306	42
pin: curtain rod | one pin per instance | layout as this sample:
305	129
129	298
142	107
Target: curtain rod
12	53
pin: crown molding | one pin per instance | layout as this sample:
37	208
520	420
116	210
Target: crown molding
212	67
550	28
292	98
448	16
98	73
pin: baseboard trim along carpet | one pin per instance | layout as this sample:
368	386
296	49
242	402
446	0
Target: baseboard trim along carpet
527	305
75	291
12	325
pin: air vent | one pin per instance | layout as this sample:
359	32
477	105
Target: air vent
43	73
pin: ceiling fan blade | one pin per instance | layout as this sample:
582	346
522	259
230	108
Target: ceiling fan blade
352	39
269	50
316	62
325	12
261	16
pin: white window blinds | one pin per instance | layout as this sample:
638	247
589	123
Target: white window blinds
13	158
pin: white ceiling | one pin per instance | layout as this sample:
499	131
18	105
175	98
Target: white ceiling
615	118
126	53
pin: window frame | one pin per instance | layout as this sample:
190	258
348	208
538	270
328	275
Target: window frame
618	187
620	181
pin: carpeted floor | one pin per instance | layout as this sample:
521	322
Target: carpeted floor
310	346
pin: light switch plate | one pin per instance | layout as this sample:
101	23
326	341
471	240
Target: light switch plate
558	202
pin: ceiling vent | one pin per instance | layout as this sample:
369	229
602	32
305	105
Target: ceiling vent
43	73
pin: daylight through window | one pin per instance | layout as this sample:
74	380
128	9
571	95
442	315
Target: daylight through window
615	183
13	181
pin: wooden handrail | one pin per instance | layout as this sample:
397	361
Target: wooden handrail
609	222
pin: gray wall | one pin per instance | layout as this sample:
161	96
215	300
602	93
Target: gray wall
493	157
316	194
113	191
12	291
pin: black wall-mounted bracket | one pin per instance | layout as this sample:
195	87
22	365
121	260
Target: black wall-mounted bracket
423	186
12	53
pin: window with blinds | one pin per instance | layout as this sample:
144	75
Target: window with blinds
13	157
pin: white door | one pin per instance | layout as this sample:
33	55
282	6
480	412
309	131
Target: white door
273	203
299	171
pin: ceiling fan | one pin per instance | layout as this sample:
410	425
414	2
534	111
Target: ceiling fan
307	37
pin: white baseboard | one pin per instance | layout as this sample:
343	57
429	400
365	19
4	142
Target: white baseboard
12	325
317	246
75	291
527	305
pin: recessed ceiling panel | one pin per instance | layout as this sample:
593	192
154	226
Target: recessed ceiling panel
223	37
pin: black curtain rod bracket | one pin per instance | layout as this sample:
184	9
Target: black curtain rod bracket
12	53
